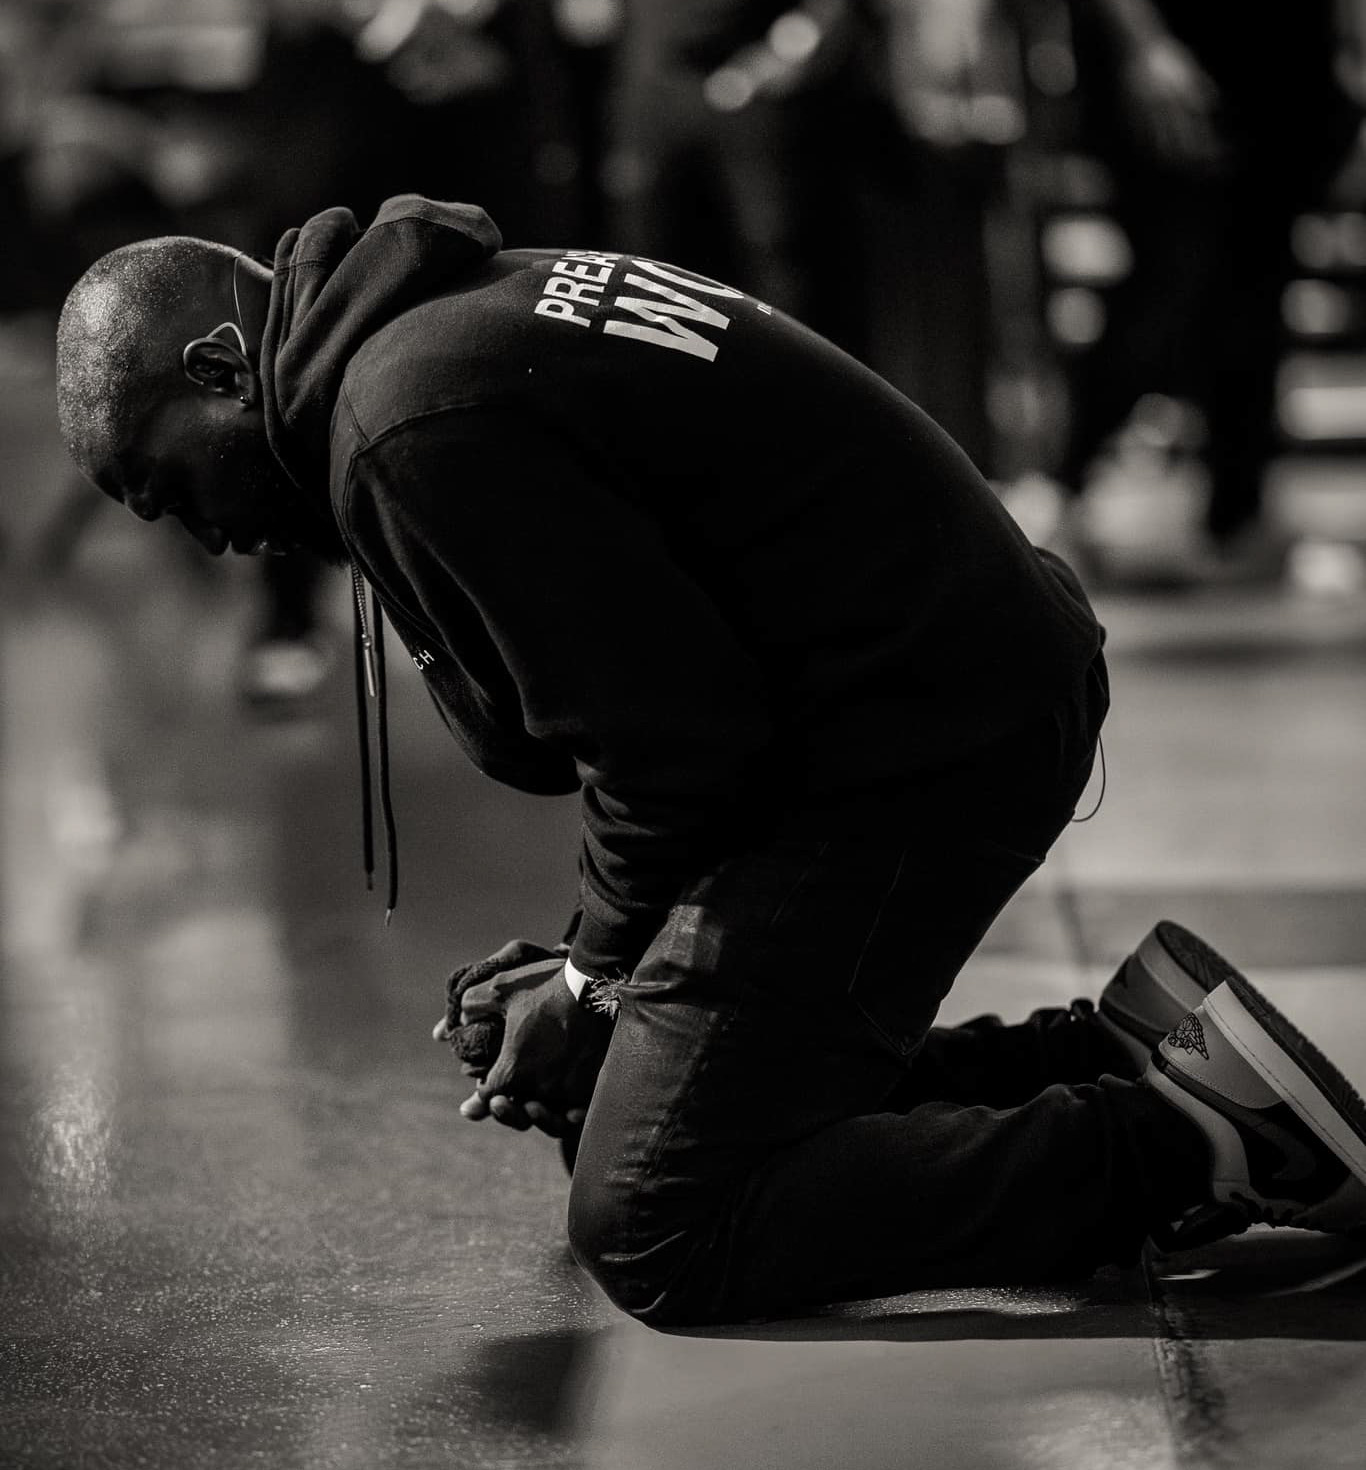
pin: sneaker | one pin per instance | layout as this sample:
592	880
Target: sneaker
1165	978
1286	1131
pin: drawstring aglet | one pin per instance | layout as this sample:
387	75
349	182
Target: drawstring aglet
388	914
368	653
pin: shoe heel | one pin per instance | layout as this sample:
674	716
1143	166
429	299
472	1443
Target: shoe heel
1183	964
1153	987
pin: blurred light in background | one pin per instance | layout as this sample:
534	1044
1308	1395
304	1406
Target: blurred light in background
1318	309
1327	242
1326	568
589	22
1051	66
1086	248
201	45
794	37
1076	316
1323	397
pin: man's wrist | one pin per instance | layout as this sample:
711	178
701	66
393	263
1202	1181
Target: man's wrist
575	979
597	993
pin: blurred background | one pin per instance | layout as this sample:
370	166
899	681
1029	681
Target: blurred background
1117	247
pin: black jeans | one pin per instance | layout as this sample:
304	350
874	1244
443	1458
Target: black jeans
777	1125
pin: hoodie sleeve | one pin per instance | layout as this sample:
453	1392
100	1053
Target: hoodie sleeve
617	656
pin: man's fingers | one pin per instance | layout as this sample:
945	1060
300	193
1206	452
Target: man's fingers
547	1119
474	1108
479	1003
510	1113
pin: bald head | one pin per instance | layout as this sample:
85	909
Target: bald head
160	401
121	334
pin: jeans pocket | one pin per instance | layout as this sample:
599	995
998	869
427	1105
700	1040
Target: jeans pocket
804	860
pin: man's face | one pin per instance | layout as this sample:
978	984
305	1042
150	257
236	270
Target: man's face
205	460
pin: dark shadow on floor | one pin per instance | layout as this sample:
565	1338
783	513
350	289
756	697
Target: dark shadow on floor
1290	1285
535	1384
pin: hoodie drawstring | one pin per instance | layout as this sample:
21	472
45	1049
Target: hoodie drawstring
370	681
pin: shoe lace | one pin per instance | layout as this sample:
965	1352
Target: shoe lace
1258	1212
1218	1219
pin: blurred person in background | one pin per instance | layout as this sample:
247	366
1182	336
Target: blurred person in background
718	145
925	132
1217	126
162	116
839	158
25	39
494	104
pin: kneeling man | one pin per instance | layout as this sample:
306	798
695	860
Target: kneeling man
651	541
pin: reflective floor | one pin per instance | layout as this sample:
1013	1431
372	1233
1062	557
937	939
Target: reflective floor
241	1225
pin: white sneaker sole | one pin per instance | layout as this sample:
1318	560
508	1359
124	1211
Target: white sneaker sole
1311	1085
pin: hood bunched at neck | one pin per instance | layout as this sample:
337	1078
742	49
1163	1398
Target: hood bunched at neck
368	647
335	286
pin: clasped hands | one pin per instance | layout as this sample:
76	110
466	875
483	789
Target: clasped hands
551	1048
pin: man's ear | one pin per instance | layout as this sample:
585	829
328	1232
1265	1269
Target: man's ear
221	368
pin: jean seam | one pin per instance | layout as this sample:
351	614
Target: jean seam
863	955
786	901
666	1134
705	1053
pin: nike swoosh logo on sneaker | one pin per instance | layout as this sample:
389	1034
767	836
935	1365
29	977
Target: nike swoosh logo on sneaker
1301	1165
1282	1154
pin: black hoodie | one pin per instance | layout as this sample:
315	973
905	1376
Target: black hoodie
649	539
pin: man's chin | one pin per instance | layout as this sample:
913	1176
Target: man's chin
291	541
214	539
271	545
287	521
